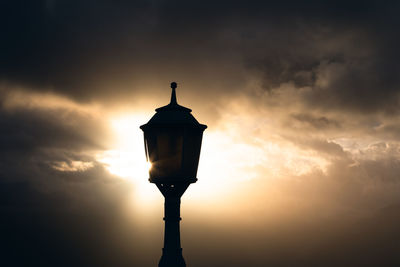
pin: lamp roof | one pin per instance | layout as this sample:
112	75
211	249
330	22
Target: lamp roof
173	113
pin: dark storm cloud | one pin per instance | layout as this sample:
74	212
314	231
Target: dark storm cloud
83	49
52	213
52	218
30	129
337	56
347	58
59	43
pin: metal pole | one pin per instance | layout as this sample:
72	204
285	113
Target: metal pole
172	251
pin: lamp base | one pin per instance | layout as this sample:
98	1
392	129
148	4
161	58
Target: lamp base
171	258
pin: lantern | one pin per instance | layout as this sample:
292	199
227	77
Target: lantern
172	140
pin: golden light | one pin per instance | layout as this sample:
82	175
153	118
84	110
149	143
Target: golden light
230	158
127	159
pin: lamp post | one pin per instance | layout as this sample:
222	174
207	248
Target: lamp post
172	141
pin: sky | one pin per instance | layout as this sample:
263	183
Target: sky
300	161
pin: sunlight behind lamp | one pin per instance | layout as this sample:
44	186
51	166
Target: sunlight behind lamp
225	169
126	159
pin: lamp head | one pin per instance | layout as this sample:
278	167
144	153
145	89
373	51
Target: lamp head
172	142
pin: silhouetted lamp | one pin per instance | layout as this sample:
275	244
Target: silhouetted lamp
172	141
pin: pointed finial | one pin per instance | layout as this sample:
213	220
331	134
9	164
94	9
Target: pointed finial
173	94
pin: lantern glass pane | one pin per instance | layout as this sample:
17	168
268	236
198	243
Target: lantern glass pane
192	153
150	146
165	152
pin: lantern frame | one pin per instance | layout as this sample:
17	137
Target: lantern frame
172	140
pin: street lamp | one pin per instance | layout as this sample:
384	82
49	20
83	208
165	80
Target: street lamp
172	140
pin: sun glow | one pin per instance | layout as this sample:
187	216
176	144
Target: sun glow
228	159
127	159
216	172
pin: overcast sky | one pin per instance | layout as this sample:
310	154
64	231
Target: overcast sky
300	163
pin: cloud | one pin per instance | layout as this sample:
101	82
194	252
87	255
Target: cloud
106	51
308	120
55	198
304	97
